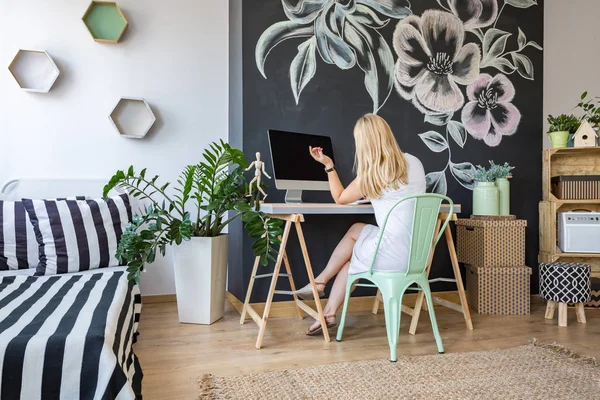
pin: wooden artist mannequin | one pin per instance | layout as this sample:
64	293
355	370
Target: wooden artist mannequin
259	169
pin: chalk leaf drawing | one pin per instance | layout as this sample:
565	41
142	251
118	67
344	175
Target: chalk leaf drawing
344	33
436	65
489	114
434	141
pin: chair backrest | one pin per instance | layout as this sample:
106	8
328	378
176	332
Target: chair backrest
426	209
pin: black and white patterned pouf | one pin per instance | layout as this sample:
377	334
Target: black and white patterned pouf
562	283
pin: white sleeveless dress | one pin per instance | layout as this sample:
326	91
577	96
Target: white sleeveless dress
394	249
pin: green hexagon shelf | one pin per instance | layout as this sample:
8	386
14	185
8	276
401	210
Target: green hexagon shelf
105	21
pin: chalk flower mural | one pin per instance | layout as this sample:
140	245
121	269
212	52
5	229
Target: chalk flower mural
342	32
450	62
475	13
489	114
432	61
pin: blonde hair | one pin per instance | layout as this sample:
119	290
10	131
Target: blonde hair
379	163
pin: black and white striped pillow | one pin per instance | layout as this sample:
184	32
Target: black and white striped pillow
18	245
76	235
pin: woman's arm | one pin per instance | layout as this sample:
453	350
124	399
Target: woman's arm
340	194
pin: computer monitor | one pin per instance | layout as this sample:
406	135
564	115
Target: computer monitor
293	167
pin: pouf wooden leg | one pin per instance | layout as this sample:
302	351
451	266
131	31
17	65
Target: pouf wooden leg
562	314
550	307
580	313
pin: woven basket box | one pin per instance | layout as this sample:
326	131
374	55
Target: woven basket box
491	243
595	300
499	290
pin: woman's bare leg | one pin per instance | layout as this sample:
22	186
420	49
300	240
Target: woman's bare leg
341	255
336	297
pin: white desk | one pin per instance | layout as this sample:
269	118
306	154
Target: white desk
329	208
294	214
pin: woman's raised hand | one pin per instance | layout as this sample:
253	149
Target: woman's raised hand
317	154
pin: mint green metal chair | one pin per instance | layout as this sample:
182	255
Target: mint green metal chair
393	284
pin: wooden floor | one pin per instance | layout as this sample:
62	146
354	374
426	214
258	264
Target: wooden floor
173	356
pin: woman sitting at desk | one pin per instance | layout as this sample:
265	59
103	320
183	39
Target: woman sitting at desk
385	175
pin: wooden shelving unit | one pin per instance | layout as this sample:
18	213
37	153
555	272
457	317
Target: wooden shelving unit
560	162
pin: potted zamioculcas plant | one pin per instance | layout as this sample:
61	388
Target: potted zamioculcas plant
191	216
561	127
486	200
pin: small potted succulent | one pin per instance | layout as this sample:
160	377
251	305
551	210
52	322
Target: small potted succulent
561	127
486	197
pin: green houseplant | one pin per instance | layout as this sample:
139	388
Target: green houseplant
486	199
192	215
590	108
561	127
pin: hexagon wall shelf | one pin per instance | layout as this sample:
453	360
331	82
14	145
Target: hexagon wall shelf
105	21
132	117
34	70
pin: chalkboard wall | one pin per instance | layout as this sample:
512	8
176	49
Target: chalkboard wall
459	81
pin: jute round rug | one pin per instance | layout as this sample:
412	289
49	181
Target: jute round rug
534	371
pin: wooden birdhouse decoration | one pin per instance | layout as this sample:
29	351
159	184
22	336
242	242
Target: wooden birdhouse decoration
585	136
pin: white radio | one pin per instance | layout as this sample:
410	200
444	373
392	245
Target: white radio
579	232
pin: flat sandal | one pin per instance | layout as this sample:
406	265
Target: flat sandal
319	330
307	292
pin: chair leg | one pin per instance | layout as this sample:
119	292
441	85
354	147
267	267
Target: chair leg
434	326
392	311
340	330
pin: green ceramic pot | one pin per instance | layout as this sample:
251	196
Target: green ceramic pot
559	139
503	186
486	199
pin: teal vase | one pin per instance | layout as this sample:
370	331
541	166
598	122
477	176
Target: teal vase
486	199
503	186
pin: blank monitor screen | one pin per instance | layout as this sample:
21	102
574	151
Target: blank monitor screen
292	160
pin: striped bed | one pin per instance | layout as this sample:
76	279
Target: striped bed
69	336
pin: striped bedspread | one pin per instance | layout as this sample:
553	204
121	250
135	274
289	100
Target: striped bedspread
69	337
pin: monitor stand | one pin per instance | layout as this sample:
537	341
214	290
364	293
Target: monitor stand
293	196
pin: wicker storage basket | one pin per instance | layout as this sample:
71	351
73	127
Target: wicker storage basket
491	243
595	300
499	290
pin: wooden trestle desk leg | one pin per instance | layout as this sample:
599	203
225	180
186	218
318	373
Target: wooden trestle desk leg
265	318
420	295
288	269
249	291
311	278
458	277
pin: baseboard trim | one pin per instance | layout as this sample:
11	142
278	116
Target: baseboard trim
288	308
159	298
357	304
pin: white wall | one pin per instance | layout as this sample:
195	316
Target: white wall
174	54
571	57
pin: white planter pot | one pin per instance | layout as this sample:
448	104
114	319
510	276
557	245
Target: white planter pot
200	267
